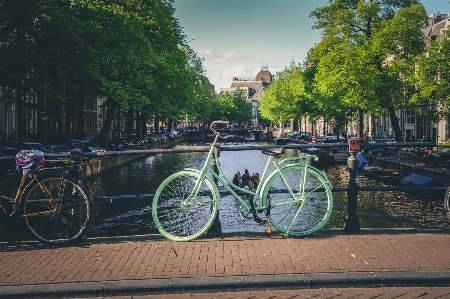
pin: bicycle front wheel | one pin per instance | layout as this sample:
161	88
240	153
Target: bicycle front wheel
60	217
300	200
180	213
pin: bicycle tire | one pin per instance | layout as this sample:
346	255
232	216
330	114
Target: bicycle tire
447	202
62	220
177	216
297	213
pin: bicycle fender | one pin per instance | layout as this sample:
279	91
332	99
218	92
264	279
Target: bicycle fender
205	177
191	169
321	172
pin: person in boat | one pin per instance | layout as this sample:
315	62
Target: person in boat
237	179
255	181
246	180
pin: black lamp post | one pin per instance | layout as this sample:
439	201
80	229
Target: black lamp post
352	224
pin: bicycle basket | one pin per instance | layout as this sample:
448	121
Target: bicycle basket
30	160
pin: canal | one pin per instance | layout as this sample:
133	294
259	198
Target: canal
132	215
382	209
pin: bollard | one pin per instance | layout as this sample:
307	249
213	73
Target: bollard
351	222
216	228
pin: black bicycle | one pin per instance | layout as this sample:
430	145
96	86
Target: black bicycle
54	203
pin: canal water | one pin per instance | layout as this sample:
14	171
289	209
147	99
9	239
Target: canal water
132	215
381	209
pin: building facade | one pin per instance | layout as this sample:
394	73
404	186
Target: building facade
254	89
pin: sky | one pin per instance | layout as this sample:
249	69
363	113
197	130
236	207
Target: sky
237	38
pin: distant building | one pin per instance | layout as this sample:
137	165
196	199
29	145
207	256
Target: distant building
254	89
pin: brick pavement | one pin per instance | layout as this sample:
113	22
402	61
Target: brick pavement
341	293
390	255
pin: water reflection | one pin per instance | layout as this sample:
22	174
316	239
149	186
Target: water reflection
383	209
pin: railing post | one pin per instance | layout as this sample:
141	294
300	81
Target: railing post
352	221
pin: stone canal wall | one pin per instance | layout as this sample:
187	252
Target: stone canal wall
439	174
95	166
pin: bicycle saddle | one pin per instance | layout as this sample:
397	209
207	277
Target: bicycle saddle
29	160
275	152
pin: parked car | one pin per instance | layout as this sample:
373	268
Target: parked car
151	137
85	146
281	141
439	157
127	144
115	144
9	151
27	146
57	149
331	139
137	140
382	151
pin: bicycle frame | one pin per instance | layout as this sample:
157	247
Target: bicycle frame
227	183
23	186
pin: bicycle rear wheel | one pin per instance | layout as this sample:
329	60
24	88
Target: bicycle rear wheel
178	213
60	219
300	200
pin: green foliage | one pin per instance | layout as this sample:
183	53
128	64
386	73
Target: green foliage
365	61
236	108
433	80
133	52
286	97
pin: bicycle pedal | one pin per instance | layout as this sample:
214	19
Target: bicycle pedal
268	229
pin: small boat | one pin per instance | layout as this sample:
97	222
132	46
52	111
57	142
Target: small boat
382	174
281	141
322	156
233	138
415	179
340	157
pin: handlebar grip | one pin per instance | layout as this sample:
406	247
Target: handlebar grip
224	122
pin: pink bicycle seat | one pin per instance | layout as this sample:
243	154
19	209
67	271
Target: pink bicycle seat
29	160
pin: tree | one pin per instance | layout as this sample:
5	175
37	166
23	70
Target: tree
130	52
433	80
236	108
287	98
366	56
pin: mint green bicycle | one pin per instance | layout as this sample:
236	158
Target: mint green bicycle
296	198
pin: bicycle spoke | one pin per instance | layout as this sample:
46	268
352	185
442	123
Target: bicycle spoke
183	207
306	212
61	219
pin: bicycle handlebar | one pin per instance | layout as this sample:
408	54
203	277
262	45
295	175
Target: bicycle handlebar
224	122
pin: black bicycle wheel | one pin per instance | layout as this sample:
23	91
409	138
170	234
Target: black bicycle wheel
60	217
447	201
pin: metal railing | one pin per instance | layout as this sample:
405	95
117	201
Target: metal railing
352	224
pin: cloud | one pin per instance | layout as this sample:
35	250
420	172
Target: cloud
277	65
225	56
239	71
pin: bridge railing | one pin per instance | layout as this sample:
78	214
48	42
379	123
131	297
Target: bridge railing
351	222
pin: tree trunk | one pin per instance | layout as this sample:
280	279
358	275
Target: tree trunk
361	124
111	107
130	124
156	124
395	124
143	126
